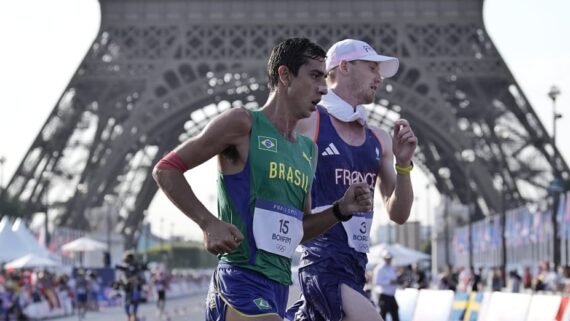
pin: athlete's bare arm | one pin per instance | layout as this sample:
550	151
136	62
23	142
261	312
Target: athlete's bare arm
228	137
396	190
357	198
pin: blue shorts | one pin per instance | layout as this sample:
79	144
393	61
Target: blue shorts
246	291
132	300
81	297
321	297
131	308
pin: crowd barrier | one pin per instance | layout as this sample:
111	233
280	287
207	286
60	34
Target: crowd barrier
415	305
57	304
60	304
446	305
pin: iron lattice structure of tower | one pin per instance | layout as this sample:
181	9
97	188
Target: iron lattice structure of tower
160	69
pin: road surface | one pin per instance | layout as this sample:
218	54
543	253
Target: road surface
188	308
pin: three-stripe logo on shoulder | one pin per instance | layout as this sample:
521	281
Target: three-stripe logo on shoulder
330	150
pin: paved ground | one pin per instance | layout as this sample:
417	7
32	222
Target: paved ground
189	308
185	308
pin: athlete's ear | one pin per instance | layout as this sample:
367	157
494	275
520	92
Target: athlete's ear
343	66
284	75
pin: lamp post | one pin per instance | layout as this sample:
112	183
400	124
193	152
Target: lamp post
432	234
110	208
146	231
503	232
446	231
445	174
468	157
47	177
555	185
502	134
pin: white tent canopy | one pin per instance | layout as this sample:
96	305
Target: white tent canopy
32	245
401	255
11	246
31	261
83	244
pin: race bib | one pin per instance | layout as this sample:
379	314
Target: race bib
277	228
358	231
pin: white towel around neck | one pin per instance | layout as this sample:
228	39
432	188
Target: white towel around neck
342	110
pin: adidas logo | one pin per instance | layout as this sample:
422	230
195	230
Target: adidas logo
330	150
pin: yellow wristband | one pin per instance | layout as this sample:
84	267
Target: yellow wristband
404	170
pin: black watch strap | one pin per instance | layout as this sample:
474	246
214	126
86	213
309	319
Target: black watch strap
338	214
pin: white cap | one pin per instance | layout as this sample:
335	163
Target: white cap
350	50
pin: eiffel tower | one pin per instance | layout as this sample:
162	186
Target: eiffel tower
159	70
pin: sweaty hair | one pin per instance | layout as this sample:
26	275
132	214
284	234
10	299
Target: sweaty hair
292	53
331	75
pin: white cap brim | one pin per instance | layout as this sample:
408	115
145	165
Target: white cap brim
388	65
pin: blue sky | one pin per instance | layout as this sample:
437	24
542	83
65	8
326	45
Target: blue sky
44	42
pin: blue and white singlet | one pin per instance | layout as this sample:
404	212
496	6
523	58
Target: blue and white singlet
340	165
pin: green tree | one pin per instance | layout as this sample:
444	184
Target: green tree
182	255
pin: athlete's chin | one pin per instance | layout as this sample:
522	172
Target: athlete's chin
308	113
312	108
369	99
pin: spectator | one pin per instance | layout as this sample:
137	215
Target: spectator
12	304
515	281
552	279
386	281
447	279
81	293
131	281
94	288
476	284
160	282
496	280
406	277
527	278
540	283
420	277
464	279
565	279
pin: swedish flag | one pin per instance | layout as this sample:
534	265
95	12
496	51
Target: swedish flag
473	307
459	306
